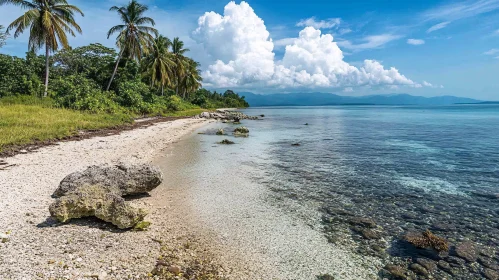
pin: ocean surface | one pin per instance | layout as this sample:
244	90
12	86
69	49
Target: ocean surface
375	173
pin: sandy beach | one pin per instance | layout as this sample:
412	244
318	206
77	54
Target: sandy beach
37	248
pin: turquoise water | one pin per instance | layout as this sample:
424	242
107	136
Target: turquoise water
402	168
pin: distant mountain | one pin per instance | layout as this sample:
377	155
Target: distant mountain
323	99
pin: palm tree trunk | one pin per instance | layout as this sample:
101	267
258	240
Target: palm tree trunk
115	70
162	90
47	69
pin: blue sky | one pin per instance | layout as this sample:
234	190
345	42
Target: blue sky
434	47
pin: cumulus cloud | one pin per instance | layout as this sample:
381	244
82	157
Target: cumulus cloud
323	24
438	26
415	42
244	53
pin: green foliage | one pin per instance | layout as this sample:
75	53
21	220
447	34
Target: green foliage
19	76
130	95
79	93
206	99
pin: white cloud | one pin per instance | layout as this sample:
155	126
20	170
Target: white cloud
370	42
344	31
460	10
426	84
245	59
491	52
415	42
438	26
348	89
283	42
323	24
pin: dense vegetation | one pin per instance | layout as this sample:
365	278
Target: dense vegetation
149	74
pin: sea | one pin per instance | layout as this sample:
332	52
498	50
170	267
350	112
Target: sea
374	174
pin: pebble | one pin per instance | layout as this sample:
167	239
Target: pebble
175	269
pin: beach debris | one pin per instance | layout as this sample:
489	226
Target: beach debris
221	132
241	131
226	142
427	240
98	191
128	179
102	202
4	237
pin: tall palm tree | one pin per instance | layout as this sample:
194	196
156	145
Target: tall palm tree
134	39
178	52
3	36
191	81
48	21
159	64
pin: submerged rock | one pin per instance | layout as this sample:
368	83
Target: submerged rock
226	142
241	130
467	250
396	271
127	179
427	240
102	202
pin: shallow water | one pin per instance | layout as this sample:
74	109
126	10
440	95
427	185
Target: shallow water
406	168
401	168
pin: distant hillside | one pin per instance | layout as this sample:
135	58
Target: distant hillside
322	99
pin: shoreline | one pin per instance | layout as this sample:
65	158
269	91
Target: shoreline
39	249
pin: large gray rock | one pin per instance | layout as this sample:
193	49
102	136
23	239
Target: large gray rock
127	179
103	202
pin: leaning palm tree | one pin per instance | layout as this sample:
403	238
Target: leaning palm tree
178	52
48	22
3	36
191	81
158	65
135	39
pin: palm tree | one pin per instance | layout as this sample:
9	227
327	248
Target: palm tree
191	81
178	52
3	36
134	39
48	21
159	64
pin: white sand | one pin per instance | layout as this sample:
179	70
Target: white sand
76	250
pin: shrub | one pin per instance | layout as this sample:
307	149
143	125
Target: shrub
79	93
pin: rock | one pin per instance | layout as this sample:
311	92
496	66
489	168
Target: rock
4	238
419	269
241	130
396	271
296	144
445	266
325	277
365	222
488	262
127	179
262	115
443	227
102	202
467	250
427	263
205	115
220	132
491	274
226	142
369	233
456	260
175	269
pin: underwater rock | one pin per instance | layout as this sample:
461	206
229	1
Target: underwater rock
427	240
396	271
467	250
491	274
128	179
427	263
226	142
419	269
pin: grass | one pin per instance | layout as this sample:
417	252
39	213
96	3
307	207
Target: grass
24	120
24	124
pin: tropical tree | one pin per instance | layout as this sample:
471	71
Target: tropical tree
48	21
159	65
3	36
135	39
191	81
179	58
